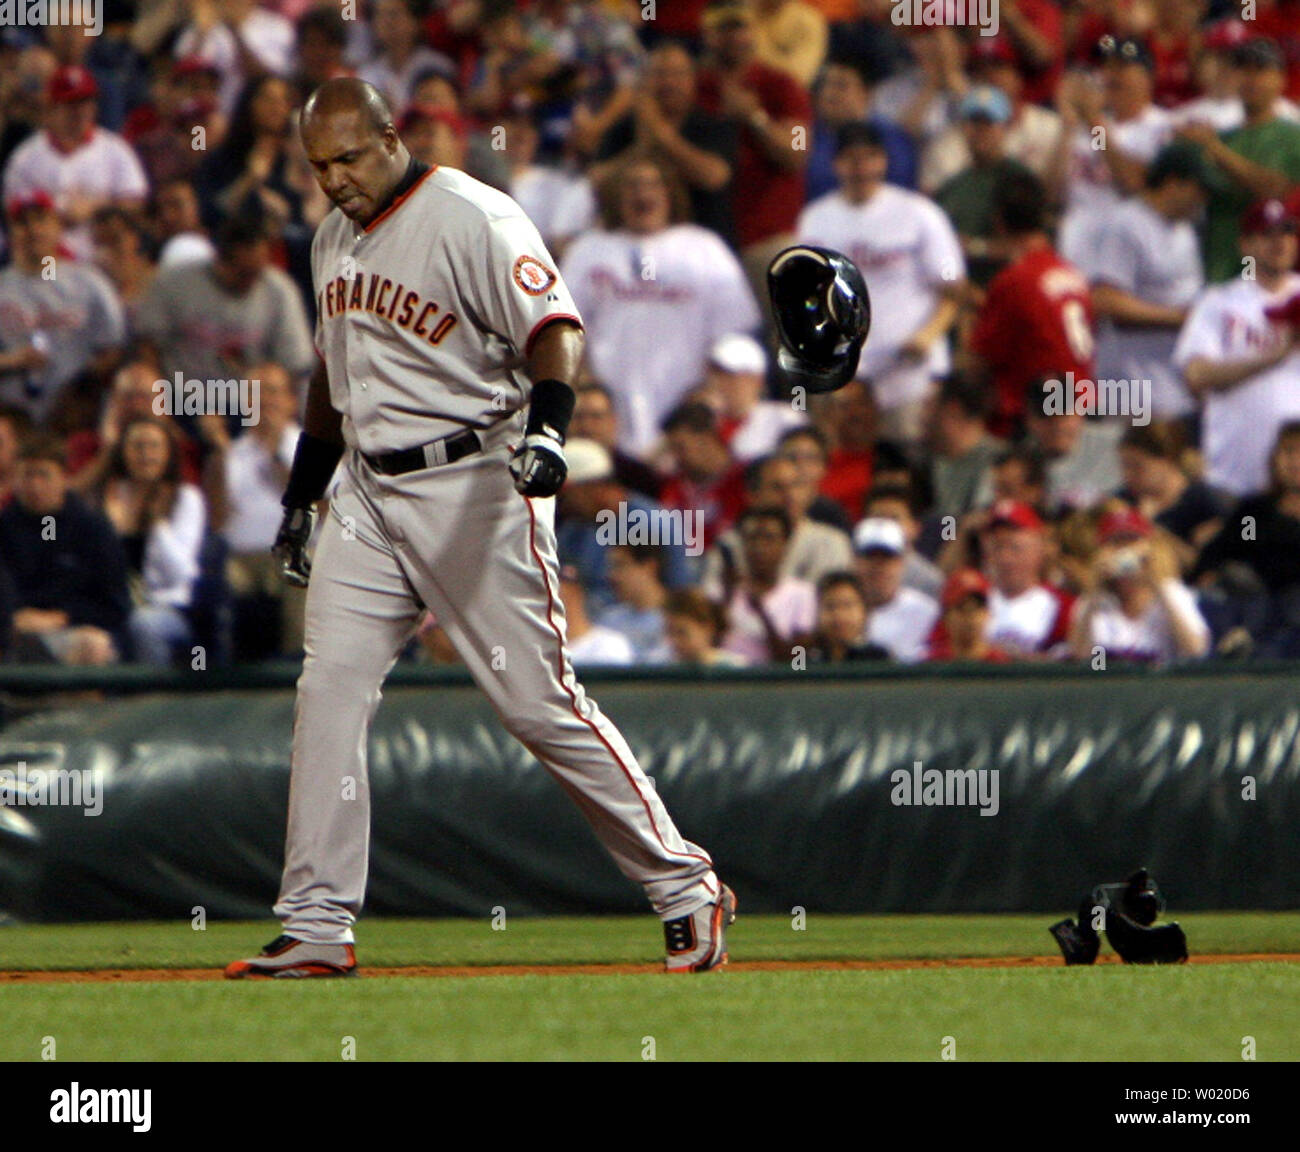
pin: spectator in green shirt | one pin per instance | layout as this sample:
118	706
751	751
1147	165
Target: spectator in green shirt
1259	160
967	197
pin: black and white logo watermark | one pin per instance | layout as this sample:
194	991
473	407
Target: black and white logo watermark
981	14
951	788
676	527
85	14
23	787
78	1105
1083	397
181	397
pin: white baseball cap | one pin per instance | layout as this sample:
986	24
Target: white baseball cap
879	534
588	461
739	353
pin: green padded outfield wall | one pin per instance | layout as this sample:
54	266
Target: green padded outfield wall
790	782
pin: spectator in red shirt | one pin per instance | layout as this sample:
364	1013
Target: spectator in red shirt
769	106
708	479
1036	319
963	632
1030	616
1279	20
849	422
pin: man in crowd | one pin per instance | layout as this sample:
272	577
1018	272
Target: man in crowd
911	258
59	318
1031	618
901	618
1243	364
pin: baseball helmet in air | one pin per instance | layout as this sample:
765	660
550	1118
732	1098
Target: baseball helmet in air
823	314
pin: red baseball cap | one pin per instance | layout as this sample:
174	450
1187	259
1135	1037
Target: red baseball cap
1288	312
1272	215
70	85
1125	523
1225	35
962	584
26	202
194	66
1014	514
991	50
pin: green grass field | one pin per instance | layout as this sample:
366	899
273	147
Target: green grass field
1110	1012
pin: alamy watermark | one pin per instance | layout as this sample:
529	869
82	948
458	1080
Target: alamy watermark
677	527
1084	397
981	14
952	788
85	14
181	397
23	787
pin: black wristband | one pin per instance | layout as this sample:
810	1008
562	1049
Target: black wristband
314	461
551	408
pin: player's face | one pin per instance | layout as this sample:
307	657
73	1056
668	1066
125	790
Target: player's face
841	615
356	167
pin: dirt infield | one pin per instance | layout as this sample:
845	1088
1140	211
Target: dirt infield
132	975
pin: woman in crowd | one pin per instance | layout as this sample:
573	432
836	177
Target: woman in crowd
161	522
254	163
1138	609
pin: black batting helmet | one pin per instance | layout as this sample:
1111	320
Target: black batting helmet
823	314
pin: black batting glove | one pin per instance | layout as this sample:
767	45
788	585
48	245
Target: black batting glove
291	545
538	464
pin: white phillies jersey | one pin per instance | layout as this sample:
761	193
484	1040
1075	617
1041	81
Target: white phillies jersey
1238	426
104	166
655	305
1138	251
1150	637
1090	189
906	249
426	315
1035	621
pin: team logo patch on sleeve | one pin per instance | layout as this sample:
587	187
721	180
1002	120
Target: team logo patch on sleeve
533	276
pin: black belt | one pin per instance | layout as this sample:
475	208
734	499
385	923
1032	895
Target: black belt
432	455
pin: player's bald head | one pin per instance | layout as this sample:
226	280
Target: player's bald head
347	95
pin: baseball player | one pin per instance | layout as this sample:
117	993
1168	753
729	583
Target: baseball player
448	343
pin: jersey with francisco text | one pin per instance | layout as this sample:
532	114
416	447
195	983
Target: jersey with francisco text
426	316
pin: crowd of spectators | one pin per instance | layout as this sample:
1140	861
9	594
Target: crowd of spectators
1075	429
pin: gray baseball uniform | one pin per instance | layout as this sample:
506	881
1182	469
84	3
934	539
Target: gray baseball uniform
425	318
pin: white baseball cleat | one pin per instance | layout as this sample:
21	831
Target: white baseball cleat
697	942
289	957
